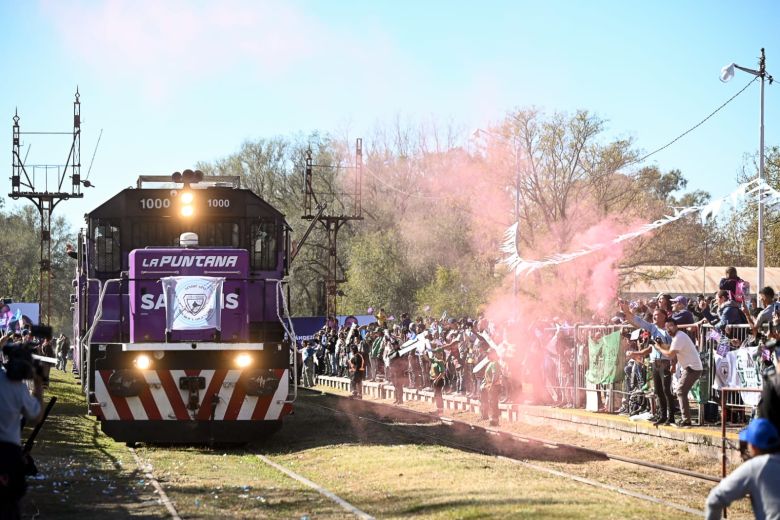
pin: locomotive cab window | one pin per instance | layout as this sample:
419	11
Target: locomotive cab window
108	258
263	246
220	234
166	234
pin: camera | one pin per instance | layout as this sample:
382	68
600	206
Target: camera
41	331
20	364
659	340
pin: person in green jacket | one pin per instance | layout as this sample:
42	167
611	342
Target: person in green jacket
437	380
491	388
375	354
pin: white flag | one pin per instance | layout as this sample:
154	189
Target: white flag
192	302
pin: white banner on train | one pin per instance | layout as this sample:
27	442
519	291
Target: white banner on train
770	196
192	302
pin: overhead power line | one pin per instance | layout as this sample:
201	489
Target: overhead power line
697	125
641	159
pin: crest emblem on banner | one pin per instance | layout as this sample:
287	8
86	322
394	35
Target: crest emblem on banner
194	302
192	297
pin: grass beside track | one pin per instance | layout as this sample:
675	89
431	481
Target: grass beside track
82	470
380	470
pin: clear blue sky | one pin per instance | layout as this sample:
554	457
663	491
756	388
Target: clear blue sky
176	82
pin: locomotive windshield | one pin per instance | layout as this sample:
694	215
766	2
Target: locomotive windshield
156	233
108	249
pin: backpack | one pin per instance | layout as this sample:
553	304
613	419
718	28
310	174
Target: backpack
742	291
737	287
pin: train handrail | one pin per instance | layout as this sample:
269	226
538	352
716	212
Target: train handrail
96	319
290	334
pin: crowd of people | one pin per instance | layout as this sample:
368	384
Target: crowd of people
446	355
666	352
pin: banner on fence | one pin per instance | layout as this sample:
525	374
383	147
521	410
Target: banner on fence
748	374
605	360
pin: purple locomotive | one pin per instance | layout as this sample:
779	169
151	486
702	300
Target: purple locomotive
179	311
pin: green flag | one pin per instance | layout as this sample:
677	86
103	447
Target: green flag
605	360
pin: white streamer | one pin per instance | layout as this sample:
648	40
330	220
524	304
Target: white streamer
770	196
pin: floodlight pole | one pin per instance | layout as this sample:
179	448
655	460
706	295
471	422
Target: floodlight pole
760	245
763	75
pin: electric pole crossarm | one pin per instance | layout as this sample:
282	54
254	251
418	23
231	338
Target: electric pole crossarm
308	232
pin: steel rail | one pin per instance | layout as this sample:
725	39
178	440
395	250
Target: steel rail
148	471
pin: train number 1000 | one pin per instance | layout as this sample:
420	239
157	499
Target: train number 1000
219	203
155	203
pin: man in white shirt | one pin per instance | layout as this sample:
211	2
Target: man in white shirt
688	359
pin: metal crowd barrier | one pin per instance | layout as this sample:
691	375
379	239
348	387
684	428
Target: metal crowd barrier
709	345
571	364
736	334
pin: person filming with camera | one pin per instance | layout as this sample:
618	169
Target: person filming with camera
662	363
16	403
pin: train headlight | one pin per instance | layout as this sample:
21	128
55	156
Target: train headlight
142	362
186	198
243	360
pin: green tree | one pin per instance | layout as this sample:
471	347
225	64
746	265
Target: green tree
378	275
19	254
449	291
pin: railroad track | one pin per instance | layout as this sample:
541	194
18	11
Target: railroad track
460	426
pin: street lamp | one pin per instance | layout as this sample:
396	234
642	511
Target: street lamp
726	74
476	134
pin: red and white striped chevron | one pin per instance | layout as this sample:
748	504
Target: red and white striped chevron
162	399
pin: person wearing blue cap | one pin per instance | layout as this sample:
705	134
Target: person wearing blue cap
758	477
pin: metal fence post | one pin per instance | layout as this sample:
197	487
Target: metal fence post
577	381
723	392
723	431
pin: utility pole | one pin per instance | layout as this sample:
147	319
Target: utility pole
332	221
26	182
726	74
